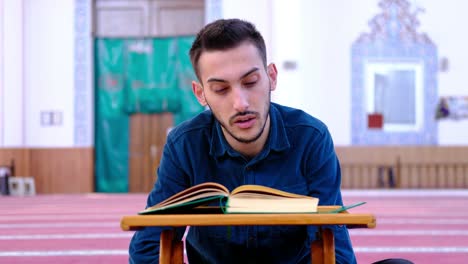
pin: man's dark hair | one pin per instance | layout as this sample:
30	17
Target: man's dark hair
225	34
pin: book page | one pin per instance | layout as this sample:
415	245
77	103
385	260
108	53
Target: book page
263	203
189	202
210	188
197	194
265	190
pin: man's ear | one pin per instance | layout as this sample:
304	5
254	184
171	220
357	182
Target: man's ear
272	75
198	92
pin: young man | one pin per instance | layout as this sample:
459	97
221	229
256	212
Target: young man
244	139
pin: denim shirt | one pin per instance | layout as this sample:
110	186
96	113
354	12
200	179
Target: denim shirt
298	157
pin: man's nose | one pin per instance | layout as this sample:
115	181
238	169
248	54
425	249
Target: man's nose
240	100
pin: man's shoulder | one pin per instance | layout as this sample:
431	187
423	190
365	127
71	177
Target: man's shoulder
199	124
296	119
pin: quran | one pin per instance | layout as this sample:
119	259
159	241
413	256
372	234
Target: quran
243	199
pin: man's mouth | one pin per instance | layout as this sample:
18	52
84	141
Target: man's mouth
245	121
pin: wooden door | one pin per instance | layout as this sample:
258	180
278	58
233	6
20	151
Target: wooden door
147	138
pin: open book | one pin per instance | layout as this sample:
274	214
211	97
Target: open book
243	199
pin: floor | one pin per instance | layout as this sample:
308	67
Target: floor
425	226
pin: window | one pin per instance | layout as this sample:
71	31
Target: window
395	90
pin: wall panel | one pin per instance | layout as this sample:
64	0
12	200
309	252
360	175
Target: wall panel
55	170
412	166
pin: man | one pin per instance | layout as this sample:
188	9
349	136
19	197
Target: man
244	139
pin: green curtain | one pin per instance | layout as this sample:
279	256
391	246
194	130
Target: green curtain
185	76
151	76
136	76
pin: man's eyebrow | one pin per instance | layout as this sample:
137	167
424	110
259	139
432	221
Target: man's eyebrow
215	80
243	76
249	72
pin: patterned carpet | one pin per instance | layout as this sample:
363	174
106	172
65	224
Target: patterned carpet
423	226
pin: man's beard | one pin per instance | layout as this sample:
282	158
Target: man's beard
258	135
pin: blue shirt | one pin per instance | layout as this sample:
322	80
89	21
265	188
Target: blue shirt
298	157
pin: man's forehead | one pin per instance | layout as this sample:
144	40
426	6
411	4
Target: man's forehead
246	74
234	63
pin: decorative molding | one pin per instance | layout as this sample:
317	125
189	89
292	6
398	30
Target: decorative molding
122	19
83	106
148	18
394	39
176	18
55	169
395	23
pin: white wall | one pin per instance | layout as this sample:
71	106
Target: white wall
258	12
441	21
49	50
332	27
37	72
444	21
281	25
12	93
2	16
318	34
37	49
288	45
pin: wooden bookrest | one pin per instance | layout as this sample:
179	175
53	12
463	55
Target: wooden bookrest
322	250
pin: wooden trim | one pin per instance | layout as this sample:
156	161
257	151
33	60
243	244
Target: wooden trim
411	166
133	222
171	249
328	246
21	159
170	252
55	170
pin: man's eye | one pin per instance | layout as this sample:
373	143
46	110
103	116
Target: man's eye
220	90
249	84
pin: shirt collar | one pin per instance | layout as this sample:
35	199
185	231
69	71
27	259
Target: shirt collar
277	138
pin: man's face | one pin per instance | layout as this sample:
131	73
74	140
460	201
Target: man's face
236	86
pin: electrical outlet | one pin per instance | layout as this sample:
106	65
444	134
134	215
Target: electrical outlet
51	118
46	118
57	118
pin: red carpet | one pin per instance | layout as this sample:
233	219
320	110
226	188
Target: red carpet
423	226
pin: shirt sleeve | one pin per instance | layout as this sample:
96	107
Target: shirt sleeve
144	245
324	182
